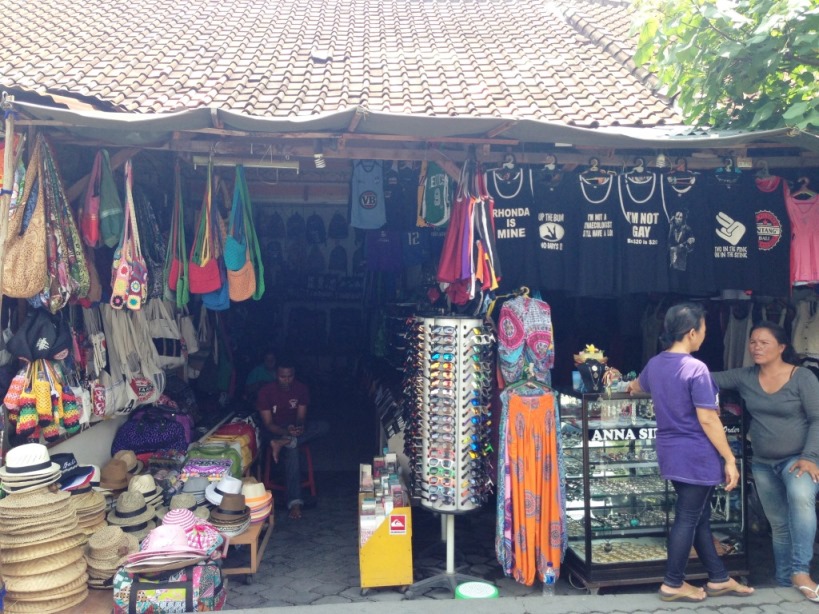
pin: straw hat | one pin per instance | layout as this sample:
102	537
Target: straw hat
146	485
232	510
20	505
114	475
131	510
51	607
56	531
72	588
28	461
47	581
227	485
39	550
196	486
132	463
43	565
28	486
233	530
108	548
91	501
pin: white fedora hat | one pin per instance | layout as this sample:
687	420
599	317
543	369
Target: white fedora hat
228	485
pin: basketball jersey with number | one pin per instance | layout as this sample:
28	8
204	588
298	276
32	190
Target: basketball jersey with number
367	210
434	198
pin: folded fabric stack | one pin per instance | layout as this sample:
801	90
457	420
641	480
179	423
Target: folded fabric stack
196	486
28	467
146	485
166	548
184	501
41	548
133	515
107	550
259	500
231	517
211	468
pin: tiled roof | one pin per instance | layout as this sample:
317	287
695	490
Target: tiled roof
564	61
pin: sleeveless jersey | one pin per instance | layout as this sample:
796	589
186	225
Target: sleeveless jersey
434	198
642	234
595	199
514	226
367	210
555	238
690	246
732	219
773	238
804	216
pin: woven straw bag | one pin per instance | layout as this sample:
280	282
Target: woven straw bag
24	266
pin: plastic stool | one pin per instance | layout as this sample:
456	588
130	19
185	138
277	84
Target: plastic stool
310	481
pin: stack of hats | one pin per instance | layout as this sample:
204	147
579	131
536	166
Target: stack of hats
166	548
107	551
133	515
28	467
200	533
231	517
184	501
196	486
228	485
259	500
146	485
41	549
132	464
90	511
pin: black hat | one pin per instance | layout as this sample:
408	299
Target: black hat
295	226
41	336
69	467
338	228
315	230
276	226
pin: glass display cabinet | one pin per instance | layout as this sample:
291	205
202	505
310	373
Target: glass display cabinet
618	508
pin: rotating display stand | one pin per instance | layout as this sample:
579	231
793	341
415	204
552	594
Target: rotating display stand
448	391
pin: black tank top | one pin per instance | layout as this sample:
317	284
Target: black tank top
596	199
555	236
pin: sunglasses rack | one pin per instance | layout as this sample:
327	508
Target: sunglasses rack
448	391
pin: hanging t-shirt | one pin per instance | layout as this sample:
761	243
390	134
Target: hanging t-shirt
642	233
729	199
595	196
773	238
383	250
690	259
804	217
367	209
556	229
434	197
511	190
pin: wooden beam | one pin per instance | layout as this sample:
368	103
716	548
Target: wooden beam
117	160
359	114
491	134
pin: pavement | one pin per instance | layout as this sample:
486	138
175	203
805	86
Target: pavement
311	566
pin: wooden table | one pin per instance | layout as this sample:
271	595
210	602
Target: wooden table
256	536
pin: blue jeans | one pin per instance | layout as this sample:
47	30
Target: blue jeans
692	527
790	505
292	459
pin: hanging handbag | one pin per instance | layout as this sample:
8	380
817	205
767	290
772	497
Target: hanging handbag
5	336
18	383
242	283
24	264
112	216
236	242
176	258
165	335
219	300
203	269
129	283
90	213
188	332
252	238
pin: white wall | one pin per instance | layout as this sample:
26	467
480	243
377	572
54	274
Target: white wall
92	446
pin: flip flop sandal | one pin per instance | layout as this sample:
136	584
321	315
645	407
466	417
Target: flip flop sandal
727	591
689	597
814	591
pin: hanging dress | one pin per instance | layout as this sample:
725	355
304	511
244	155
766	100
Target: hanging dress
531	511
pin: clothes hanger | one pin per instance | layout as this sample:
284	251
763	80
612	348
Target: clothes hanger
803	193
763	172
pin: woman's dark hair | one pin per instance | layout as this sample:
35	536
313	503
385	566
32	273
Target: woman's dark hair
789	355
679	320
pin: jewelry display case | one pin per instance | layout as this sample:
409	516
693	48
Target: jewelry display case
618	508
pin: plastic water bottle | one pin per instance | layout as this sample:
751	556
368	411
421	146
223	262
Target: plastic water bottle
549	578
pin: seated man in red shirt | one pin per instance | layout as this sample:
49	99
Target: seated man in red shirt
282	405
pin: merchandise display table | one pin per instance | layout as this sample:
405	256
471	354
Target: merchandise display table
256	536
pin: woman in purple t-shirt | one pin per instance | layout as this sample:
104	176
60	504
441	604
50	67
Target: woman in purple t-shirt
691	446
